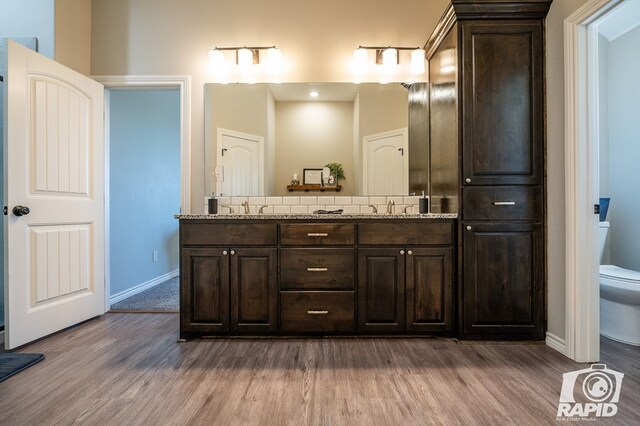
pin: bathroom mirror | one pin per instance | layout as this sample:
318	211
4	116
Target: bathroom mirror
258	136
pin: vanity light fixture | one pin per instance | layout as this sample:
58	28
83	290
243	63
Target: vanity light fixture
247	56
388	57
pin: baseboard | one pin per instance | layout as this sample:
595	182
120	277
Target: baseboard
142	287
556	343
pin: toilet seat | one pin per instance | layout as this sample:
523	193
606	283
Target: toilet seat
620	274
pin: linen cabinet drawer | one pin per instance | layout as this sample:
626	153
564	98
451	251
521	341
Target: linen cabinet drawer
317	311
317	268
502	203
422	232
228	234
317	234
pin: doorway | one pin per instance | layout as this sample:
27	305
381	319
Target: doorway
144	194
582	134
157	85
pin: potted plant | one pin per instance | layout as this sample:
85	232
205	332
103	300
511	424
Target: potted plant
336	170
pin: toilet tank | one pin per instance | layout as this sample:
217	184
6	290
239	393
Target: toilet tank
602	237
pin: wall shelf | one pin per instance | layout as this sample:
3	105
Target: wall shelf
320	188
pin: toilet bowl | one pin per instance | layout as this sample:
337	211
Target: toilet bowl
619	299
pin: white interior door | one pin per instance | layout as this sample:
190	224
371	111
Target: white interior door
54	153
240	157
386	163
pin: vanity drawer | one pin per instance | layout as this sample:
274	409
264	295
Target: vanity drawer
502	203
229	234
409	233
317	234
317	311
317	268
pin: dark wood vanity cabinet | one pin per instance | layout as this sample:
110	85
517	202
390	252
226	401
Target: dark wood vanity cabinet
375	276
228	288
487	146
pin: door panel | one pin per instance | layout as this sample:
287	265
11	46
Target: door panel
386	163
205	283
254	290
380	290
242	157
502	107
429	289
55	161
503	290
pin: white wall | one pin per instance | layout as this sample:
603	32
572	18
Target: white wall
310	135
603	122
73	34
624	149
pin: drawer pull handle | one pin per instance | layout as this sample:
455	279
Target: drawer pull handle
316	312
504	203
317	269
317	234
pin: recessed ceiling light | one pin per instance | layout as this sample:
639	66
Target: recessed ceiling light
314	94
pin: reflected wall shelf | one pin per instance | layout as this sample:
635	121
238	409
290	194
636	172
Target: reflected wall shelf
320	188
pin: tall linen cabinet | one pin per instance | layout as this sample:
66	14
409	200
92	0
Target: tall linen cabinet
487	160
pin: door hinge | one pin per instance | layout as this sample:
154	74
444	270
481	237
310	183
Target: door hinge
596	209
5	210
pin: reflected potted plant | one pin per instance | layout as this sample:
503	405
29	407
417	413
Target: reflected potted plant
336	171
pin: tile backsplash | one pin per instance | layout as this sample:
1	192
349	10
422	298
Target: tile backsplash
307	204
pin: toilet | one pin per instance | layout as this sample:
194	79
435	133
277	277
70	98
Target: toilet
619	299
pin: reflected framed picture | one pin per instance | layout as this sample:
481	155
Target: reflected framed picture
312	176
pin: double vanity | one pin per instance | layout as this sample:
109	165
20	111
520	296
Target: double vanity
317	274
476	145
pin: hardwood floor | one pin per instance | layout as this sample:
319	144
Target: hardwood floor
128	369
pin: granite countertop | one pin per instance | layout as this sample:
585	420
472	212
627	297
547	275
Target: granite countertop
318	216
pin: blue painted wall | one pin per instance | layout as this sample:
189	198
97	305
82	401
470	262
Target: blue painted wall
144	185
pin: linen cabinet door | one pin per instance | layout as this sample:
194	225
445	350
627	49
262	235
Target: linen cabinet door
254	291
381	289
503	290
204	290
429	283
503	93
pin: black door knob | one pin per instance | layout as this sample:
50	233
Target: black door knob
21	210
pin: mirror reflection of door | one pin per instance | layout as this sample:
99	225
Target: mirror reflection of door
386	163
240	161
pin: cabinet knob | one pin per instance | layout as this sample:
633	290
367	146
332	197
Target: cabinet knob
224	252
233	252
468	228
401	251
410	252
468	180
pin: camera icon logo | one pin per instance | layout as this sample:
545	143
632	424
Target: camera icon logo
590	392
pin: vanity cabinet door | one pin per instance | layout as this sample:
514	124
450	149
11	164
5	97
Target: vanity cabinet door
204	291
503	285
429	283
381	289
254	290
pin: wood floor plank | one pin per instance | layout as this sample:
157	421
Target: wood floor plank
128	369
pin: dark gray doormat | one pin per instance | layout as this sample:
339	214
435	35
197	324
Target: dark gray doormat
11	364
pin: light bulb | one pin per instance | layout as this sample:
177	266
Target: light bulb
360	60
417	61
274	60
389	57
245	58
216	58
